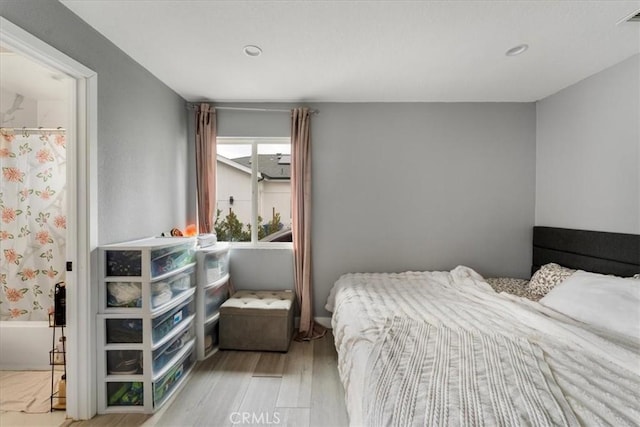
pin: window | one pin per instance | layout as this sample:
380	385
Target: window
253	190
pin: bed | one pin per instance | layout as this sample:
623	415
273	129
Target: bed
444	348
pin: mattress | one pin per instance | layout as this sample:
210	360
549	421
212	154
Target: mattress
596	372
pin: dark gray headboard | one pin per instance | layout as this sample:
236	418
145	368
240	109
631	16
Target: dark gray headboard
596	251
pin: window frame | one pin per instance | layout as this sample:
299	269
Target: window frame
254	142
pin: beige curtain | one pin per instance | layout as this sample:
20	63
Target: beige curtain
301	213
206	166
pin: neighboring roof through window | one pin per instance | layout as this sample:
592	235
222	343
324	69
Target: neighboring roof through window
270	166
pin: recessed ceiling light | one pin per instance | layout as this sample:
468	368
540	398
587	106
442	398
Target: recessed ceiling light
517	50
252	50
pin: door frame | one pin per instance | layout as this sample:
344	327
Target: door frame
82	217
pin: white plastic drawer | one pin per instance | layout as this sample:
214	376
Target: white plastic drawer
163	387
124	294
164	261
214	297
126	393
123	330
211	332
215	264
165	353
165	290
129	262
124	362
163	325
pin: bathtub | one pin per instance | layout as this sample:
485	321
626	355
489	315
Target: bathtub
25	345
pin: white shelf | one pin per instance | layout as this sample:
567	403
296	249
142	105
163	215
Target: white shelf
119	410
124	378
123	346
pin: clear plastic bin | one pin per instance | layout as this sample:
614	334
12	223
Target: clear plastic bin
124	263
125	393
163	387
164	324
124	331
163	291
124	294
166	260
164	354
216	265
211	337
214	297
183	281
124	362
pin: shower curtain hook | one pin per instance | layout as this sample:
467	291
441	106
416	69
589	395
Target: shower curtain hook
44	134
25	132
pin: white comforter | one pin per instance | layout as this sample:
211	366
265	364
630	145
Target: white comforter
597	373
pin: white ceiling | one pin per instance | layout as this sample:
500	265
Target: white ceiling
361	51
21	75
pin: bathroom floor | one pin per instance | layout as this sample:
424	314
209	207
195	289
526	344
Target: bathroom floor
21	419
25	399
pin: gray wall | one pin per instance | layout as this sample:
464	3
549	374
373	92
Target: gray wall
409	186
261	269
588	153
422	187
397	186
142	127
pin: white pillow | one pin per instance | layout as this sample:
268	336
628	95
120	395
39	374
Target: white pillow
603	301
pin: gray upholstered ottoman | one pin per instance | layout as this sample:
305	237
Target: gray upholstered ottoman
257	320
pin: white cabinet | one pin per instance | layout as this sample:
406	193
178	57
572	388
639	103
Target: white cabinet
146	322
212	291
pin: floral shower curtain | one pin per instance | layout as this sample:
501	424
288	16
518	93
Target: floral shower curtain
33	224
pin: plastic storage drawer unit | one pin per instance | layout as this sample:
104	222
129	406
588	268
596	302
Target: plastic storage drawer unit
146	317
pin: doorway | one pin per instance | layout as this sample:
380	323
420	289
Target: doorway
36	106
76	113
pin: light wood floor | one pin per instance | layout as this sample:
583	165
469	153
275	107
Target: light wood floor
233	388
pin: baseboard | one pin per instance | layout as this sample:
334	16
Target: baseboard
322	321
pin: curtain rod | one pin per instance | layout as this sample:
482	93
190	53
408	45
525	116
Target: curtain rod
266	110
